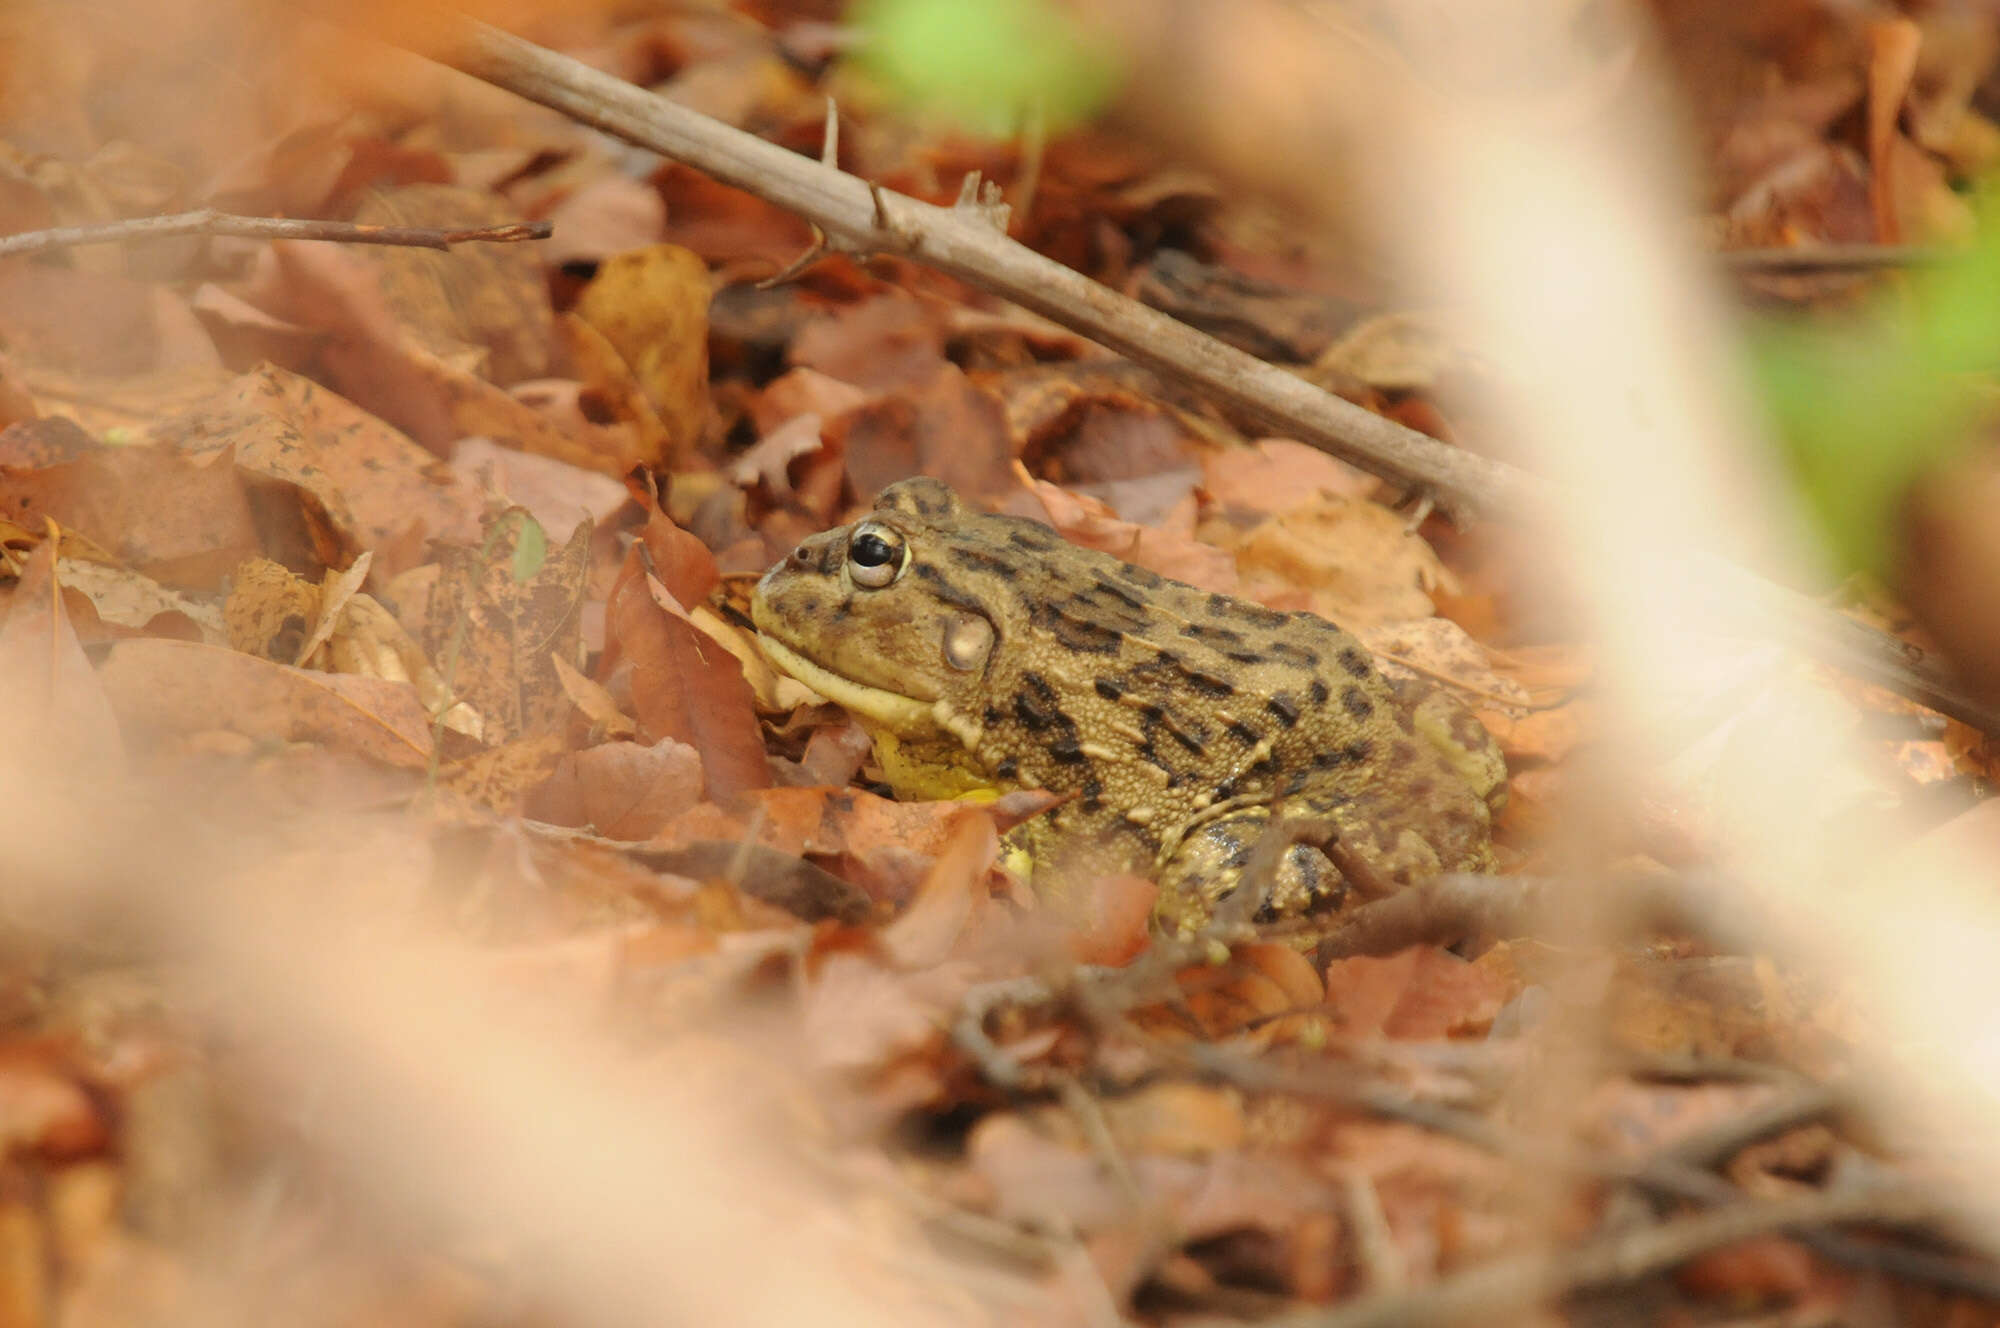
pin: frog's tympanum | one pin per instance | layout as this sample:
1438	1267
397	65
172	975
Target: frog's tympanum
988	653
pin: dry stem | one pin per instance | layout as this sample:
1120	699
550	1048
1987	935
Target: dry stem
210	222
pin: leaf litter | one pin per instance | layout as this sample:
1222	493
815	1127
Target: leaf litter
439	558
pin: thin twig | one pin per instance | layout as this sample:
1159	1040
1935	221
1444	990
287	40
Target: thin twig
1717	1144
210	222
861	217
1498	1291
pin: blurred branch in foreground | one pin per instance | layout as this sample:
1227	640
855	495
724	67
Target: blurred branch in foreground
1535	184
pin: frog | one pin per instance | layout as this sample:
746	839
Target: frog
1181	728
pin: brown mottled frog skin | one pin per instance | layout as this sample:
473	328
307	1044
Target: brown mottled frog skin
988	653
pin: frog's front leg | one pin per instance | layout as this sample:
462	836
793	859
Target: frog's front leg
1220	856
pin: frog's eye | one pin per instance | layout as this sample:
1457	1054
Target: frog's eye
875	555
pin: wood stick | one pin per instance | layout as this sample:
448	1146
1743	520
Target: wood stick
210	222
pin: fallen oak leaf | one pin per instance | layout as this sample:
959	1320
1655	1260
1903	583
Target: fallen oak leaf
591	697
181	520
946	904
335	627
374	481
683	685
622	790
650	306
175	688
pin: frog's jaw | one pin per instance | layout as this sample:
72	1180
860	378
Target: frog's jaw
879	707
922	747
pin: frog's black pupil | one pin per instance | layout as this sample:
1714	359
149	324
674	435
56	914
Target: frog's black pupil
871	551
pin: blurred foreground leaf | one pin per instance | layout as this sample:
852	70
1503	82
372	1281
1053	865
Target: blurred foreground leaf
985	62
1863	411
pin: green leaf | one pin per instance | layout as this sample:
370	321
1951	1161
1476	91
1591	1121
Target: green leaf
531	548
984	63
1864	410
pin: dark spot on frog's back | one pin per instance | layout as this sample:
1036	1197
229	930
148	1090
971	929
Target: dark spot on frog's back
1209	685
1077	631
1295	654
1285	708
1356	702
926	497
1242	732
1067	750
979	560
1136	603
1202	632
1032	537
1036	705
946	591
1318	692
1355	662
1139	576
1241	610
1108	689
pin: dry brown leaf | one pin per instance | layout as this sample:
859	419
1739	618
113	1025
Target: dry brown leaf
1090	523
332	626
1353	561
651	305
1395	352
607	215
129	599
590	697
556	493
181	520
890	342
946	426
1419	993
946	904
1439	650
622	790
683	685
1276	474
485	297
374	482
100	324
726	225
175	689
608	396
376	363
505	778
495	625
804	391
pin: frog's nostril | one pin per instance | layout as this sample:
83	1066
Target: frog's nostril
801	555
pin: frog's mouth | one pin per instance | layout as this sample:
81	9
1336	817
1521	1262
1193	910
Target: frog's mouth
897	713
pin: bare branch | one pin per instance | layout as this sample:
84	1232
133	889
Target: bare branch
963	242
1498	1291
210	222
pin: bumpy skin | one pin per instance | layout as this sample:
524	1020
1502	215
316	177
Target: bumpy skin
986	652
